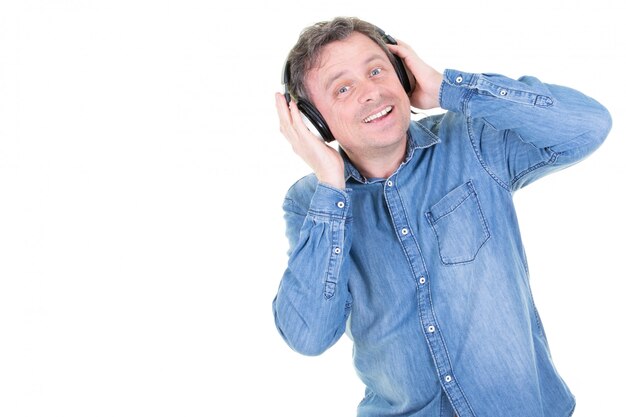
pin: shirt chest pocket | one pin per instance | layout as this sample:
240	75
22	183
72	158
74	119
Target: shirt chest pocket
459	225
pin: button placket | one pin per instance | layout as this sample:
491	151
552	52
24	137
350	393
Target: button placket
435	340
433	334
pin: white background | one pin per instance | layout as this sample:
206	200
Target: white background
141	181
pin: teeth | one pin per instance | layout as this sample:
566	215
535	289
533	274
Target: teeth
381	113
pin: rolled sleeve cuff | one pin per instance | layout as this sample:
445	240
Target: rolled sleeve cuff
330	201
455	89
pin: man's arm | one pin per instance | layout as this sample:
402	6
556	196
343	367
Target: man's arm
313	302
524	129
521	129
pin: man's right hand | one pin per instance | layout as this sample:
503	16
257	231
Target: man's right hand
425	93
323	159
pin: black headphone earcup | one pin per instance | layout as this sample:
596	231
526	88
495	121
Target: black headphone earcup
316	120
402	74
397	63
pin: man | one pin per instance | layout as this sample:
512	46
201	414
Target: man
407	238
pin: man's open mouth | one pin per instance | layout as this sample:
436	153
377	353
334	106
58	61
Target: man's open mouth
378	115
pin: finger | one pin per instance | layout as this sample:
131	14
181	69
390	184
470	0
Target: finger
284	117
408	55
398	49
298	124
282	108
402	45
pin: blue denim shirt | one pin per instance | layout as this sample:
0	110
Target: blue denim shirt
425	270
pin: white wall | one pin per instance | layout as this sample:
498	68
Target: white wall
141	181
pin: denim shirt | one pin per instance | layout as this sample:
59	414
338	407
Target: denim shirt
425	270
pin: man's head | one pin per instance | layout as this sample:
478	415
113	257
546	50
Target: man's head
345	70
306	52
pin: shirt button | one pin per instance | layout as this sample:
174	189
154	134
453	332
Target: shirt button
459	79
337	251
448	378
404	231
390	183
431	329
422	280
341	204
503	92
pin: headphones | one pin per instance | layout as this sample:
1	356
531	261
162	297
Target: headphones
313	118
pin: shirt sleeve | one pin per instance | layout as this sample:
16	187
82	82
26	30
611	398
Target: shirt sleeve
524	129
313	302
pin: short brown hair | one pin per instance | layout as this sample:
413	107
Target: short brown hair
306	52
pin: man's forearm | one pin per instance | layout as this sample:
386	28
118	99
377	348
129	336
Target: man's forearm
312	303
545	115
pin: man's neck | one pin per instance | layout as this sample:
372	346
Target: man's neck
379	164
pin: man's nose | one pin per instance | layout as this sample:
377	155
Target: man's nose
370	91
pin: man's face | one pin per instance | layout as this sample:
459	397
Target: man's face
359	94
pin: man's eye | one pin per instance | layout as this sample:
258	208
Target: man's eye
376	71
342	90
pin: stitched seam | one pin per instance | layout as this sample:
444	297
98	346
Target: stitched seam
450	210
293	207
483	222
551	161
482	162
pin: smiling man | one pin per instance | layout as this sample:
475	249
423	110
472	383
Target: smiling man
407	239
364	103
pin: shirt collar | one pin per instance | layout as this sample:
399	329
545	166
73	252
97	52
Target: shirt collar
418	136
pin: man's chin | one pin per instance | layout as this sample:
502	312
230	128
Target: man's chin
386	136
